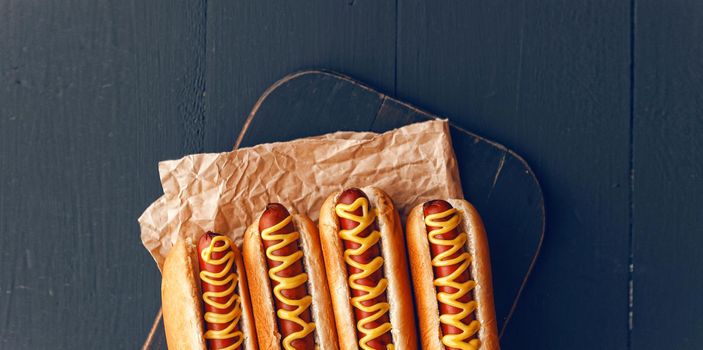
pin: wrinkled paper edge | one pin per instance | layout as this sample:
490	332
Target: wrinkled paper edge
195	185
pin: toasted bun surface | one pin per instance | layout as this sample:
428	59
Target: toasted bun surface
395	270
247	320
423	276
262	294
181	300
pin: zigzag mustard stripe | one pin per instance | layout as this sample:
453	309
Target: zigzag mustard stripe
225	276
467	339
379	309
271	234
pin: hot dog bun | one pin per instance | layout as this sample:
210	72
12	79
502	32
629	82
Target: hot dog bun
181	300
395	270
423	276
261	291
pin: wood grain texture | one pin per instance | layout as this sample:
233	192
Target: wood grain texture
252	44
550	79
92	95
343	106
668	176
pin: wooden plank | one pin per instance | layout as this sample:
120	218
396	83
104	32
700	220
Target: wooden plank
93	94
668	176
497	181
253	44
313	103
502	187
305	104
551	80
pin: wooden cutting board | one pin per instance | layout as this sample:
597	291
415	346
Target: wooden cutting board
497	181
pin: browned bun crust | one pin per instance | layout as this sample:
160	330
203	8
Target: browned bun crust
395	269
247	321
262	294
423	276
181	299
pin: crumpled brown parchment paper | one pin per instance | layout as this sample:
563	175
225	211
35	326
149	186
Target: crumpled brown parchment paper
224	192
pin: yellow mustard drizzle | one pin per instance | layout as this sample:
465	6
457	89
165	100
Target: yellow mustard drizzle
225	276
464	339
379	309
270	234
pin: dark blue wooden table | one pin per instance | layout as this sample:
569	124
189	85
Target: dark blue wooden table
604	99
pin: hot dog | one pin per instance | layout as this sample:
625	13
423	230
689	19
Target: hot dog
205	299
367	270
287	278
456	293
